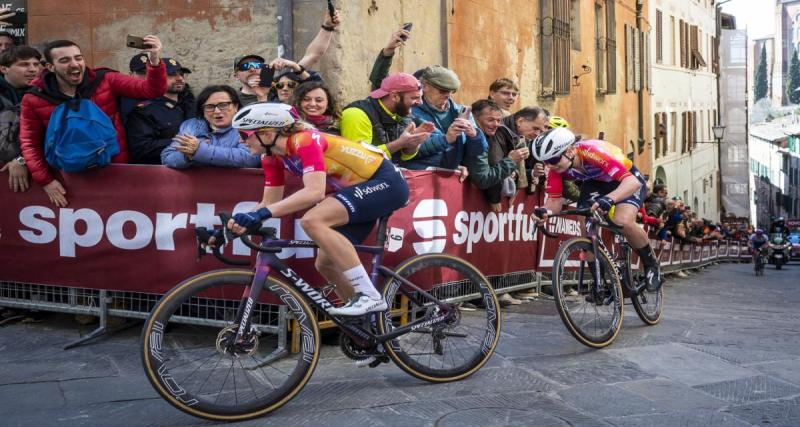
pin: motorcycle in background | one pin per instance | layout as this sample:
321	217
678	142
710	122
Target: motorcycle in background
779	249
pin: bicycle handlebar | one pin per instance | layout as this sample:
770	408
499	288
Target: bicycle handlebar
203	235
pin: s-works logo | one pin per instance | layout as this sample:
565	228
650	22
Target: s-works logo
428	227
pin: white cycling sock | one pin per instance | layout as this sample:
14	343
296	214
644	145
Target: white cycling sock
360	280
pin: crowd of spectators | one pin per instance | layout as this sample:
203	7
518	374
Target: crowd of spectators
413	118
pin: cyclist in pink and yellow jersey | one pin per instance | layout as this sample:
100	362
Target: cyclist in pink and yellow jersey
367	187
608	178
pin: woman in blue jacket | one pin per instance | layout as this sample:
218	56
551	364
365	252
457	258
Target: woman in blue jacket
209	139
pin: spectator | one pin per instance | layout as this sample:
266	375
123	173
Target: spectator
458	135
66	77
19	67
504	92
153	123
491	168
656	203
383	118
247	68
138	69
380	69
209	139
7	41
290	75
316	104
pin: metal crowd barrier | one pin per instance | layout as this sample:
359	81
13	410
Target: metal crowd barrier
136	305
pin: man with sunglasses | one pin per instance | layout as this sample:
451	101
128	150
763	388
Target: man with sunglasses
608	178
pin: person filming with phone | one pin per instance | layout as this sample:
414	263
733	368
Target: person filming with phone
68	78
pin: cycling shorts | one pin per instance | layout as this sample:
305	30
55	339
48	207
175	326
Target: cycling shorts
385	192
591	190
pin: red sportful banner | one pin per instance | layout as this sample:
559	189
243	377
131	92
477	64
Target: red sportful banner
130	227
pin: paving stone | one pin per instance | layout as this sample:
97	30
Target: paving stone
775	413
751	389
701	418
694	367
490	417
591	366
607	401
740	356
346	394
56	369
672	395
84	391
21	398
787	370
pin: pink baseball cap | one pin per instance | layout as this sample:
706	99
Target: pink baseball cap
399	82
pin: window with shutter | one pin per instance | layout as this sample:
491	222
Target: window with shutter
546	33
600	48
659	35
629	58
682	44
611	46
561	46
695	58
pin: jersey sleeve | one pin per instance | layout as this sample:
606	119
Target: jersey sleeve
309	147
273	171
555	184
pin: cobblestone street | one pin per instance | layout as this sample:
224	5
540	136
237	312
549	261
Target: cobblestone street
726	353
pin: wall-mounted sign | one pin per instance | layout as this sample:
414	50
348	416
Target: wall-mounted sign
18	24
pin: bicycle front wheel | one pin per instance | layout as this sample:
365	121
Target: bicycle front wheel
192	362
591	312
449	350
648	305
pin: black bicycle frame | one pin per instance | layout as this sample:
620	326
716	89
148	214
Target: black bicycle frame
267	261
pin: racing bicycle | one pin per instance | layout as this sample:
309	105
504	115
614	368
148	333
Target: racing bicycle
590	282
213	345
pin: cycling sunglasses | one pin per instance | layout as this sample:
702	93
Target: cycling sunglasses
244	134
554	161
252	65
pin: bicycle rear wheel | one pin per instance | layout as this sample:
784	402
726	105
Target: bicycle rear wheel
188	359
445	351
593	315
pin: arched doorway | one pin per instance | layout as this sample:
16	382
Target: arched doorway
661	175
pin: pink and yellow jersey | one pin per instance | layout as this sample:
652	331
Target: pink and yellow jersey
602	161
345	162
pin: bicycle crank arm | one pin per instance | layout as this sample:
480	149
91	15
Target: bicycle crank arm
445	333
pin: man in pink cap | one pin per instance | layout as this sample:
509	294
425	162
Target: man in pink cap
383	119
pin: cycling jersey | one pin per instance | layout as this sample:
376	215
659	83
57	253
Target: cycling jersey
601	160
756	243
345	162
368	185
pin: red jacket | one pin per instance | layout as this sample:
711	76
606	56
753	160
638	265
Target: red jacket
36	111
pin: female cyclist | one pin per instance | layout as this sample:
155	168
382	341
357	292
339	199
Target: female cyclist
608	179
368	187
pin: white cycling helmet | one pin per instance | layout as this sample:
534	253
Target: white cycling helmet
265	115
552	143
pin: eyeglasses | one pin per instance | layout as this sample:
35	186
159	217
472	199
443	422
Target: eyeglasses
289	85
253	65
554	161
209	108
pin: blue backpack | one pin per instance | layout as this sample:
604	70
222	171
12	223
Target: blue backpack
80	135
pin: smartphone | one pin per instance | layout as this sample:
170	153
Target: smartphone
407	26
136	42
266	75
331	9
464	112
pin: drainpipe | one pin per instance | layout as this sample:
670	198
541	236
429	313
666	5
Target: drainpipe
640	94
718	20
285	29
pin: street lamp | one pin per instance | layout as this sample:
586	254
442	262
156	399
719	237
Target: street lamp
719	131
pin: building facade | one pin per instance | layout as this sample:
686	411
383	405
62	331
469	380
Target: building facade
774	171
684	102
787	41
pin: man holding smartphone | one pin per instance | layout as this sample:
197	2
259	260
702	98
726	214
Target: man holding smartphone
66	77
